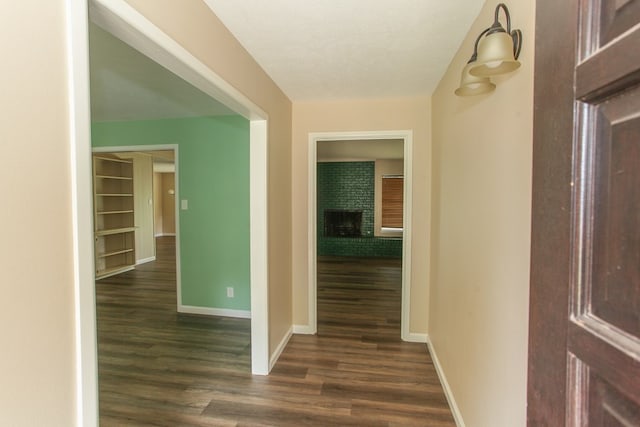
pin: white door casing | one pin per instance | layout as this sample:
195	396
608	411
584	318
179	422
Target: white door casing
407	137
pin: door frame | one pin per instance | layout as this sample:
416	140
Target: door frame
122	20
407	137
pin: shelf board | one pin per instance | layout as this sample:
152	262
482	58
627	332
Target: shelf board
114	195
114	212
127	178
111	159
108	254
100	274
114	231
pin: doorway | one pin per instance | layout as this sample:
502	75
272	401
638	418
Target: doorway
155	172
133	28
379	136
359	233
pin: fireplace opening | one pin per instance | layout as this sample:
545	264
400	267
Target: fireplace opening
342	223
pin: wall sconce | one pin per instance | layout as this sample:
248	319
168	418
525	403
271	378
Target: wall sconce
495	53
473	85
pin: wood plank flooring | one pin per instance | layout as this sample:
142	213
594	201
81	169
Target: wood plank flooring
160	368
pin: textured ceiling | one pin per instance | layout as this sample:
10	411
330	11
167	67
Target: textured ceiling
327	49
126	85
313	49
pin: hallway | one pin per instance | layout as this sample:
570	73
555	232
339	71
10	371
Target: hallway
158	367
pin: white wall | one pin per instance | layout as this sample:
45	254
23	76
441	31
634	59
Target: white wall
482	153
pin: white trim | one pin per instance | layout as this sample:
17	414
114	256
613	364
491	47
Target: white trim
128	148
407	211
258	247
457	415
126	23
312	224
146	260
176	224
303	330
314	138
164	235
281	346
415	337
349	159
208	311
86	352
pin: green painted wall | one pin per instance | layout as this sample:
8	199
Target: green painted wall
214	177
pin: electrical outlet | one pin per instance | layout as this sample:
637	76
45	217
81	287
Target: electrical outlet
229	292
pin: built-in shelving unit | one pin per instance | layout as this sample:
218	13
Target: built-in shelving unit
113	215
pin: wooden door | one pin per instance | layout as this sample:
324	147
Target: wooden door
584	343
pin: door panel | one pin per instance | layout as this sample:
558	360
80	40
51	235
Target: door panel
598	374
615	290
608	407
617	17
604	329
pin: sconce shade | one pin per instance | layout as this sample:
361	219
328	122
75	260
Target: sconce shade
496	55
473	85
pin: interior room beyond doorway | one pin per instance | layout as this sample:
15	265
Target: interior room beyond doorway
360	223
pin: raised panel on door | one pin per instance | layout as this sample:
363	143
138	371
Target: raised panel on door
604	331
615	286
617	16
608	407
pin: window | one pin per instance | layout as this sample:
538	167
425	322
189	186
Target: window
392	200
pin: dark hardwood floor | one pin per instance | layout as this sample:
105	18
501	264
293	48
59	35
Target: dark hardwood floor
160	368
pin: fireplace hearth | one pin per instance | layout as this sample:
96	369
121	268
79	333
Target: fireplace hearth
342	223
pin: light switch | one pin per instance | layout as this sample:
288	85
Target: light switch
184	204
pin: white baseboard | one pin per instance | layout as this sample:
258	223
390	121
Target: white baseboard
303	330
207	311
457	416
415	337
145	260
283	343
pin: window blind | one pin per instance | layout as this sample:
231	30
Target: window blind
392	200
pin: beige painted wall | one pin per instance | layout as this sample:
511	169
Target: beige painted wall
481	227
143	199
192	24
143	204
37	366
168	203
157	204
363	115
